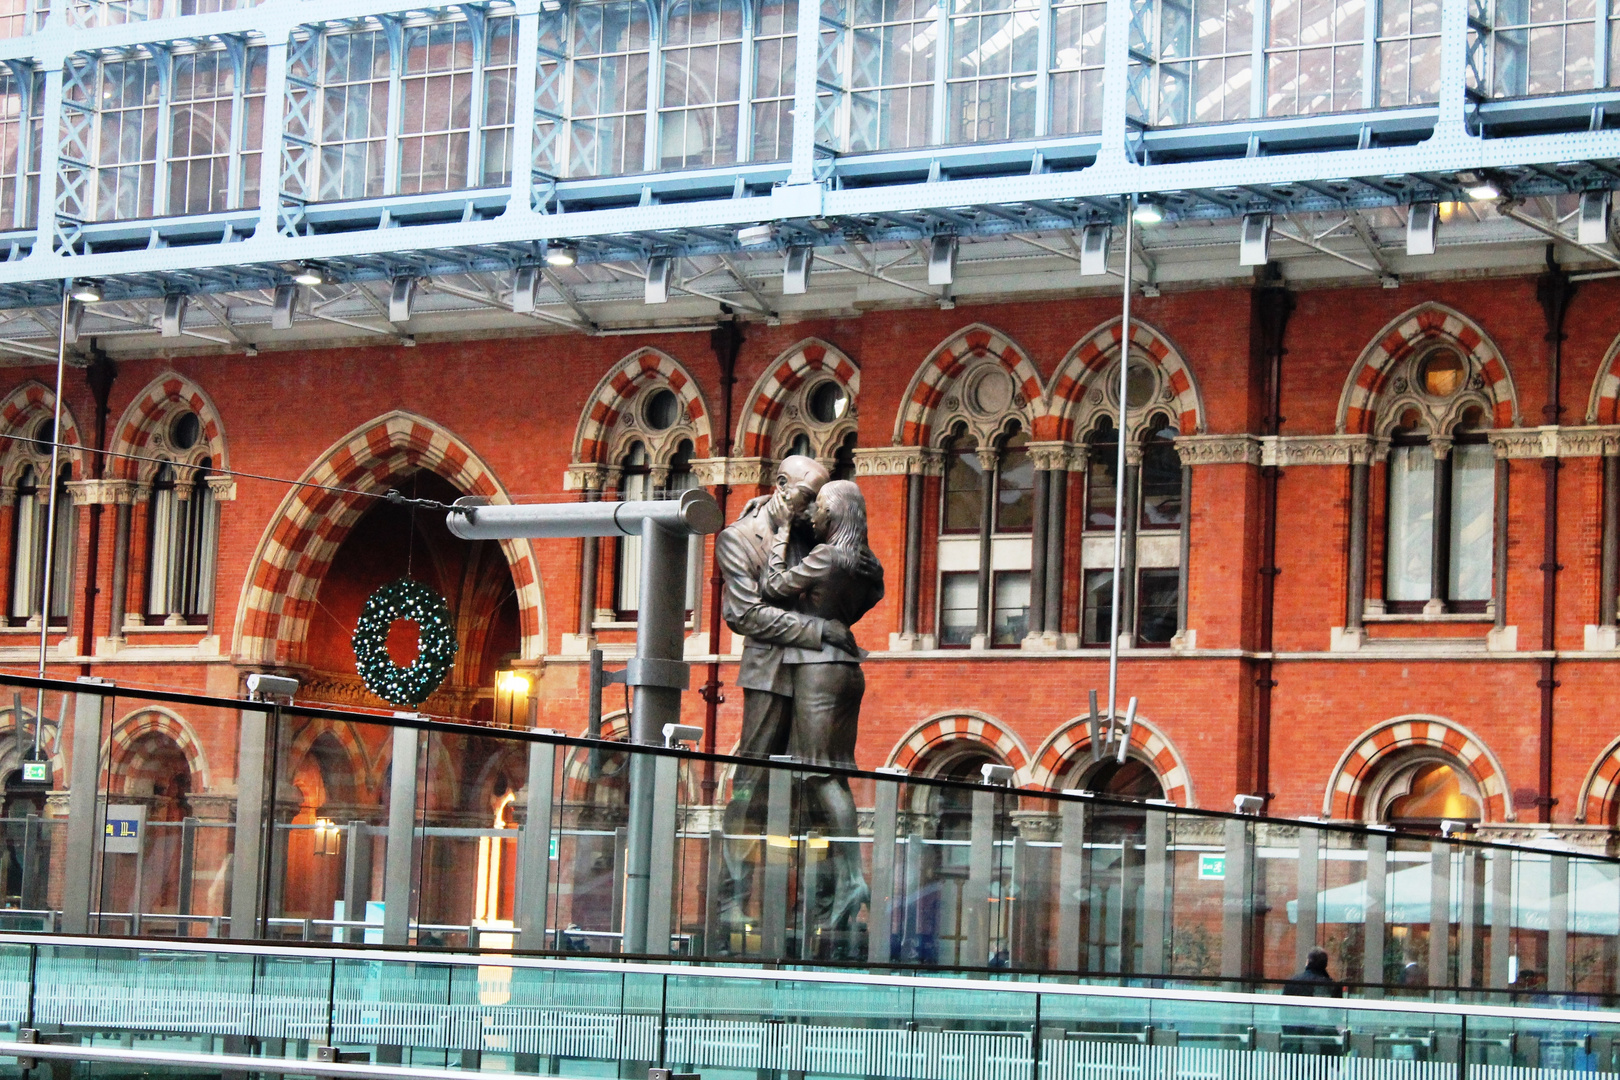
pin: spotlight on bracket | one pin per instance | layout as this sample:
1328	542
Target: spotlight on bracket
1247	804
524	287
1000	775
1422	222
400	299
561	255
796	271
1254	244
86	292
676	734
942	260
309	275
1592	228
658	270
756	235
174	314
1094	250
284	307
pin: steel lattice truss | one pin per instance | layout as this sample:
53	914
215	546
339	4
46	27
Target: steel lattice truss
1329	181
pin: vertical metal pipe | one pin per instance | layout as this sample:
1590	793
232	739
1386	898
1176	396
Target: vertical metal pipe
1499	544
120	571
1184	553
885	826
399	861
1057	500
1611	542
589	558
534	849
1037	555
987	518
45	589
913	579
725	341
1356	594
1119	461
1554	291
1308	882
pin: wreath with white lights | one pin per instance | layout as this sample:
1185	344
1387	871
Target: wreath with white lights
435	643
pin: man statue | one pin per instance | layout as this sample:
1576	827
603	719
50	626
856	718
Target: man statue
742	552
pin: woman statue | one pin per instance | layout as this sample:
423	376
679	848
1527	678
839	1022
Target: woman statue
836	580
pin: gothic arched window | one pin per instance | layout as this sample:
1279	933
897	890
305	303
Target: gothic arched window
182	528
31	514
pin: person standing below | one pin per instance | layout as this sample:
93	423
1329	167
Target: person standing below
742	552
1314	981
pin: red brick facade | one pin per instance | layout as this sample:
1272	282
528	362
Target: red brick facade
507	416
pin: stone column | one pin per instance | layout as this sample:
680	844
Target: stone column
587	479
1129	515
8	537
916	464
134	613
1356	578
1607	615
1036	619
1440	538
1046	556
988	457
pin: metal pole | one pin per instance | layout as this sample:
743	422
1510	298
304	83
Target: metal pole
50	512
1119	469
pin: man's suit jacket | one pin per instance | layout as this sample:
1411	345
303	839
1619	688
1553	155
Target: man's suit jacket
743	552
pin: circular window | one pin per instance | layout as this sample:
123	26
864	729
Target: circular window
45	435
1442	373
828	402
990	392
185	431
661	409
1140	385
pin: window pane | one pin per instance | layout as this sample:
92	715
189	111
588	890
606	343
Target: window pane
1410	551
1541	47
1102	472
958	608
702	81
1211	44
1473	512
994	56
1077	59
892	74
1009	616
1158	596
1408	52
1161	482
775	51
1015	488
609	89
964	491
1097	607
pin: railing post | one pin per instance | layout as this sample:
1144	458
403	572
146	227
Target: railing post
777	851
534	848
1471	919
976	895
1372	964
661	875
880	910
399	862
84	810
1307	879
247	858
1237	903
188	866
1558	924
1439	913
356	880
1501	917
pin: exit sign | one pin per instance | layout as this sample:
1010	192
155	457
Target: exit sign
36	772
1212	866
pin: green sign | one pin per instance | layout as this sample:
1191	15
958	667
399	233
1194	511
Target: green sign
36	772
554	846
1212	866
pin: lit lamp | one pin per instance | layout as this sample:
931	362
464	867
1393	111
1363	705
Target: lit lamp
327	837
511	685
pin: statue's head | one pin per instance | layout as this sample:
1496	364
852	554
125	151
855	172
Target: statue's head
839	516
798	480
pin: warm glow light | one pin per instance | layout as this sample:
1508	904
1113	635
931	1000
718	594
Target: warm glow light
327	837
561	256
309	275
513	683
1484	192
86	292
1147	214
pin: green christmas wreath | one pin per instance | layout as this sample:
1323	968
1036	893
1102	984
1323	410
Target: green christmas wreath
435	643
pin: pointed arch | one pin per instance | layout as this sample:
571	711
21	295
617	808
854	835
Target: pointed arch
309	526
155	719
1149	745
1347	788
1601	789
22	411
1427	323
915	426
620	385
1603	406
343	735
1080	370
960	725
788	372
144	418
12	736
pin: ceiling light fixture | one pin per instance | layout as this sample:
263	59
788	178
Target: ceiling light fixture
756	235
1147	214
561	255
309	275
86	292
1484	191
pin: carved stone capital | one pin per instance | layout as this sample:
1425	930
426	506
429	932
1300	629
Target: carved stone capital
103	492
1051	456
988	457
1287	450
1218	449
222	487
1440	445
896	461
584	476
1591	440
735	472
1524	442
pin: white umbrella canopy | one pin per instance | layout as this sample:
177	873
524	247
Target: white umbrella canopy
1594	897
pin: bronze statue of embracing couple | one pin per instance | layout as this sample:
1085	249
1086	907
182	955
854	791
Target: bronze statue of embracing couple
798	574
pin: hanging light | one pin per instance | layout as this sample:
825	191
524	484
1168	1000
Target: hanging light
328	837
561	255
1484	191
1147	214
309	275
86	292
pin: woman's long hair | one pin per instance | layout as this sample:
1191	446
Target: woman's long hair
847	506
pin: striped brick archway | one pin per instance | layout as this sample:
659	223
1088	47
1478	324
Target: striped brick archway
1601	789
150	720
785	375
915	424
24	408
620	385
957	726
1079	371
1149	745
20	738
1425	324
309	526
342	733
1348	785
1604	406
143	418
